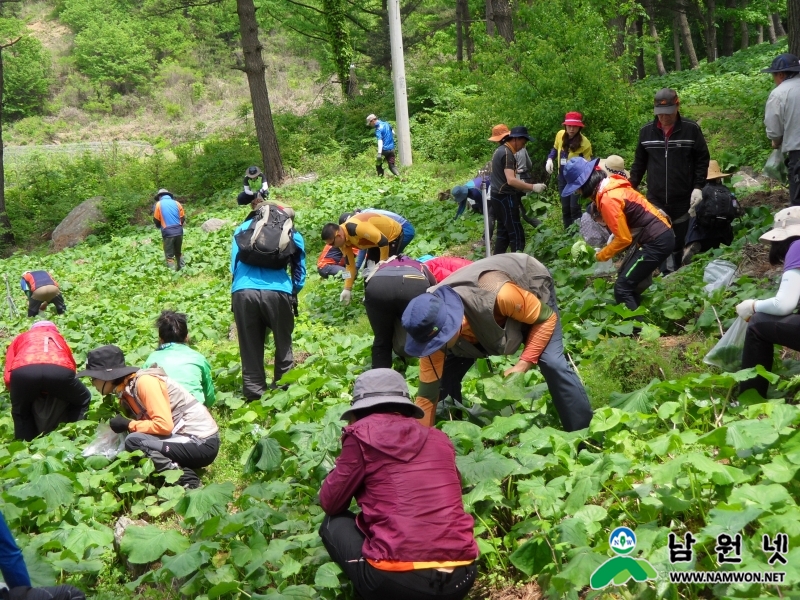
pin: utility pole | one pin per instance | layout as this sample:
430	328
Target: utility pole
399	81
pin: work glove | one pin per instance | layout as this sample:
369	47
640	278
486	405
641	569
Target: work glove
539	187
697	196
746	309
119	424
345	296
294	305
548	166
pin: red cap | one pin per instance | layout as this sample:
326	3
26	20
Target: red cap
573	118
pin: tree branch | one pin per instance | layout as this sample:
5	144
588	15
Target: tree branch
282	22
181	5
306	6
16	40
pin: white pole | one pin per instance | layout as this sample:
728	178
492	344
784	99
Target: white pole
399	81
485	200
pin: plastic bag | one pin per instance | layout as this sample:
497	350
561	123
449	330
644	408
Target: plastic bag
106	443
775	168
718	274
727	354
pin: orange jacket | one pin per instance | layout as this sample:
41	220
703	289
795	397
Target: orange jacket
42	345
623	209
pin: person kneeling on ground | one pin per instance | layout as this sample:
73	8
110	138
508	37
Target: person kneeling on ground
40	377
417	544
774	320
172	428
631	219
41	289
711	216
331	261
16	577
182	364
247	195
490	308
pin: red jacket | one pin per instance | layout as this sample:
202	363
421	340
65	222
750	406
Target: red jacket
41	345
444	266
404	478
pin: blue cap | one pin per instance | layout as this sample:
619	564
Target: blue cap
431	320
459	193
577	172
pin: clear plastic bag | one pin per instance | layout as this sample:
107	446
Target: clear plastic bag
718	274
775	168
727	354
106	443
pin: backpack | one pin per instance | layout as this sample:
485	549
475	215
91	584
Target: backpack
268	241
718	207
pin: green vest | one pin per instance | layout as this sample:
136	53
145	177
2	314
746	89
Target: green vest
478	284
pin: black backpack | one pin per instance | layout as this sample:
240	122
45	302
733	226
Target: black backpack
718	207
269	239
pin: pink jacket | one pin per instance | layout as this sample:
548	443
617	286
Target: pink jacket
404	478
444	266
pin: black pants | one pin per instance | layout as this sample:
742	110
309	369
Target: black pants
374	253
257	313
244	198
646	260
763	332
343	541
59	592
34	306
385	299
56	388
176	452
390	157
509	227
173	251
570	206
676	212
793	166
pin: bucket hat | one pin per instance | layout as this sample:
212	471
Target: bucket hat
614	165
666	101
459	193
576	173
44	324
106	363
573	118
252	172
519	132
163	192
370	117
378	387
787	224
714	171
783	62
431	320
499	133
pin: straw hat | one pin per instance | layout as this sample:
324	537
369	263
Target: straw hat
614	165
714	172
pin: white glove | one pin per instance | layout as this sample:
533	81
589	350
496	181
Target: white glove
345	296
548	166
539	187
746	309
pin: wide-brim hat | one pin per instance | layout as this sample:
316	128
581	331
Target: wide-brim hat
459	193
577	172
431	320
614	165
519	132
163	192
783	63
499	133
379	387
787	224
252	172
714	171
573	118
106	363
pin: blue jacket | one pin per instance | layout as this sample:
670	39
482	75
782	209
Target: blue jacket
249	277
383	131
12	565
168	216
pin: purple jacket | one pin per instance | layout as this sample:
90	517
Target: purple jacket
404	478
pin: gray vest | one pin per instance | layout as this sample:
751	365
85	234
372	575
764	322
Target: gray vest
478	284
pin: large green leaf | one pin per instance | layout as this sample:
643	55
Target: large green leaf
82	537
187	562
265	456
55	489
639	401
213	498
483	465
149	543
780	470
531	556
327	576
502	426
765	497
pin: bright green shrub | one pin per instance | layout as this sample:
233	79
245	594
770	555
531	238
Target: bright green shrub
26	78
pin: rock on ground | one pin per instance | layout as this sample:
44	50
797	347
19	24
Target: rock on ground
742	181
78	224
119	530
213	225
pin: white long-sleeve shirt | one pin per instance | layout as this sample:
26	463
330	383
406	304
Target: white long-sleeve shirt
786	300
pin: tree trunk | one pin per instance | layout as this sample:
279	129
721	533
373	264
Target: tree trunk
352	83
654	34
779	30
793	18
771	31
255	71
686	37
617	26
711	30
489	18
728	31
501	9
745	29
339	37
676	42
470	43
6	233
459	32
639	30
759	34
